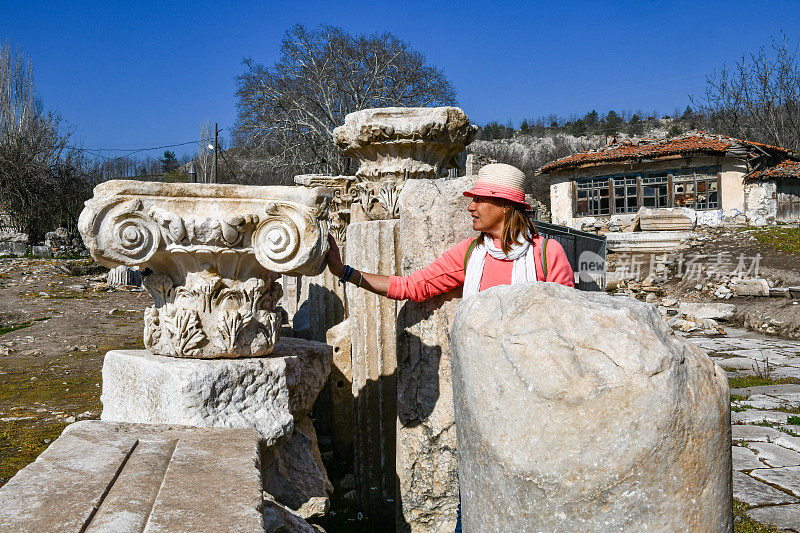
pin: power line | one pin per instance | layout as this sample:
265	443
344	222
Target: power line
97	151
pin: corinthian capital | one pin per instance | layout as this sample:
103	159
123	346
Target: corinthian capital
394	144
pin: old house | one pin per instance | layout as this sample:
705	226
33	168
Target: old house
721	178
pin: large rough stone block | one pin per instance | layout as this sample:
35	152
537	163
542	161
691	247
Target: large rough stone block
262	393
104	476
578	411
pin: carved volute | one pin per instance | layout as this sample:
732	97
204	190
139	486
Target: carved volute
212	254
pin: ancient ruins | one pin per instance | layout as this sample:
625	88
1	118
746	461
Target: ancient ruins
226	264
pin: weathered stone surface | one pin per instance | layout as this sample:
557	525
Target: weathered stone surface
103	476
341	387
395	144
339	210
123	276
280	519
13	236
785	517
215	251
754	433
14	248
775	455
745	459
41	251
787	477
754	416
432	212
752	492
261	393
372	247
294	474
750	287
645	241
702	311
667	219
596	418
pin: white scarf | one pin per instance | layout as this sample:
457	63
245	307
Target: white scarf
524	268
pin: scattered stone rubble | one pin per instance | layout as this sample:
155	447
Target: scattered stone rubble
58	243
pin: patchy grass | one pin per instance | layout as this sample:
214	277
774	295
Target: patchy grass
740	382
60	294
793	420
742	523
20	325
21	441
782	239
740	408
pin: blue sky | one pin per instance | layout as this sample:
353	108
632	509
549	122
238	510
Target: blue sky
138	74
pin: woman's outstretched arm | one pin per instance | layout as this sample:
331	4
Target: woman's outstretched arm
372	282
444	274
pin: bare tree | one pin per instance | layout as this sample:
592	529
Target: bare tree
287	112
31	144
758	98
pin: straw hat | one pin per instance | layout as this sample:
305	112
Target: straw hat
499	180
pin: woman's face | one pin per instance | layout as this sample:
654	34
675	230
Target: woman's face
488	214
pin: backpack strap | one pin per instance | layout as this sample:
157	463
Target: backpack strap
544	257
472	246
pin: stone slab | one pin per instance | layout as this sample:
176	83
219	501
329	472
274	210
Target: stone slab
263	393
745	459
788	441
762	401
771	390
754	416
750	287
787	477
752	492
785	517
138	477
715	311
743	432
774	455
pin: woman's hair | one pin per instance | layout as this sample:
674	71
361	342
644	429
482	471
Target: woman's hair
517	227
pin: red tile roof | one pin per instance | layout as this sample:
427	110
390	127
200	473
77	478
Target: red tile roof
784	169
635	150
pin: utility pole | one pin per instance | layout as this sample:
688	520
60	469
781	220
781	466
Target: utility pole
216	144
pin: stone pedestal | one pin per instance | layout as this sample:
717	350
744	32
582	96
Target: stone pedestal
431	212
263	393
372	247
578	411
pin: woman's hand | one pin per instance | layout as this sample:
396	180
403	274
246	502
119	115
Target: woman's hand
334	258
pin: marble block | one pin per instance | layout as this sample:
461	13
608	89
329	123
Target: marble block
263	393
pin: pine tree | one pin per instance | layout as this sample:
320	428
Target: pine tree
169	163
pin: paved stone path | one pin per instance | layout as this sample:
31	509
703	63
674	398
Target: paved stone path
766	444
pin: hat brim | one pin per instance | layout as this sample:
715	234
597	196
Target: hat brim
479	191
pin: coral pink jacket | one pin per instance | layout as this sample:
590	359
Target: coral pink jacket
447	272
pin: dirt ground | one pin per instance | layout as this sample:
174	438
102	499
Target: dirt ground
55	326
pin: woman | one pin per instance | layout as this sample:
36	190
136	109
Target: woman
508	249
